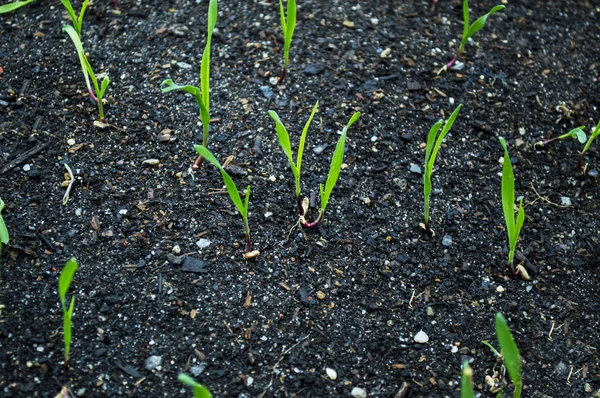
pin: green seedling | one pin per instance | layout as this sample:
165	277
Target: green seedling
202	93
64	281
4	237
76	19
199	390
97	93
510	353
13	6
334	168
284	141
434	142
469	31
287	25
513	229
233	194
577	133
594	134
466	381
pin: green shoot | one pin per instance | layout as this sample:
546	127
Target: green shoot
202	93
287	25
466	381
97	93
334	174
64	281
199	390
510	353
232	190
13	6
434	143
77	20
469	30
4	237
513	229
594	134
284	141
576	133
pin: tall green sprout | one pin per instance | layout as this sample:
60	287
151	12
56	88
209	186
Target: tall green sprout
284	141
434	143
97	93
76	19
64	281
466	381
199	390
13	6
594	134
4	237
202	93
469	30
287	25
510	353
513	228
232	190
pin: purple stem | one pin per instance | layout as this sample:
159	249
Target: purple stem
452	62
282	76
197	163
92	95
311	225
513	271
544	143
300	209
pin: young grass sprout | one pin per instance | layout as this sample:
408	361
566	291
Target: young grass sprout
594	134
287	25
199	390
334	168
513	228
466	381
76	19
284	141
434	142
4	237
13	6
202	93
510	353
234	195
577	133
64	281
97	93
469	31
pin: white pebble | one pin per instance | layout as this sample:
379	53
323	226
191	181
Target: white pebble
421	337
27	167
202	243
358	393
499	289
332	374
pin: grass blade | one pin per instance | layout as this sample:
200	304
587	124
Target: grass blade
510	353
465	25
4	237
199	390
289	30
85	65
284	142
205	63
65	278
13	6
466	382
508	194
480	22
303	136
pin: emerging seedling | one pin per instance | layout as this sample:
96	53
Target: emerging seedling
64	281
76	19
284	141
510	353
513	229
202	93
577	133
4	237
334	168
434	143
233	194
469	31
199	390
594	134
287	25
97	93
466	381
13	6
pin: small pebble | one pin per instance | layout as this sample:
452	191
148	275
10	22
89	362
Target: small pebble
358	392
565	201
202	243
332	374
176	249
447	240
414	168
152	162
421	337
593	173
27	167
500	289
153	362
319	149
184	65
197	370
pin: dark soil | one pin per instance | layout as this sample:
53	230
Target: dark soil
263	327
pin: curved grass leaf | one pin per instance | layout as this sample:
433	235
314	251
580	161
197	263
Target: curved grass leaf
4	237
477	25
303	136
287	25
508	200
510	353
64	281
594	134
199	390
466	382
205	63
13	6
336	164
85	65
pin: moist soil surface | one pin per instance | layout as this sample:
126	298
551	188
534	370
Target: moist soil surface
349	295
